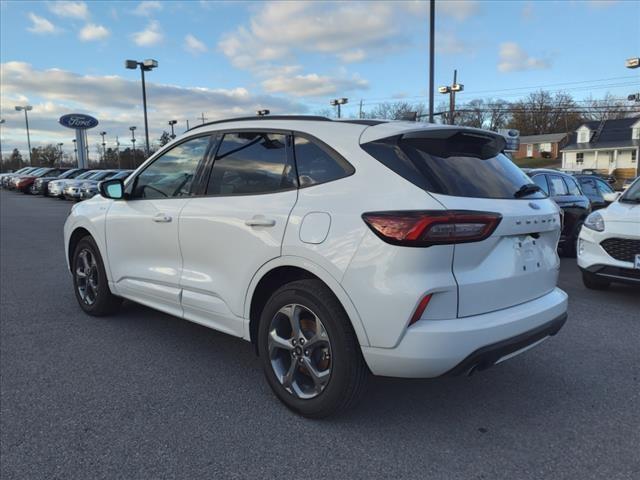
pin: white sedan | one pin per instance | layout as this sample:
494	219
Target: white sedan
609	242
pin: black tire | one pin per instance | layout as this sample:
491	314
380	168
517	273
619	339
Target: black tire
348	370
104	302
570	248
594	282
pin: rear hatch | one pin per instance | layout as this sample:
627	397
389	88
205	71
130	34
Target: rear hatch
465	170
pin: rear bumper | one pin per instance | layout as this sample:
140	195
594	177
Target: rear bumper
432	348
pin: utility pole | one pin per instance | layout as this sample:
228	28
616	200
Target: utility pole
118	151
104	146
75	150
432	19
187	124
203	118
451	90
360	112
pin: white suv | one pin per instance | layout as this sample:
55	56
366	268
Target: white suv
609	242
337	248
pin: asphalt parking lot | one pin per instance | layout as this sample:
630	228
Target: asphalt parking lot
146	395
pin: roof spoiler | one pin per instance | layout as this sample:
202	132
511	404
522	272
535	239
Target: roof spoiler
452	142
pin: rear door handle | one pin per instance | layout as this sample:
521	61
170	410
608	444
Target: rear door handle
260	221
162	218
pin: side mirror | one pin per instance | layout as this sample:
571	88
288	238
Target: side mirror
113	189
610	197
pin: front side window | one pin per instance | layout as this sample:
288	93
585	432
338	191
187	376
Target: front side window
251	163
604	186
171	174
589	187
316	164
572	186
557	186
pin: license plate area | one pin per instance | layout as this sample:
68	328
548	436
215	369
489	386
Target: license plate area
529	258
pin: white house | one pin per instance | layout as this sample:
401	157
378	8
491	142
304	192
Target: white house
611	146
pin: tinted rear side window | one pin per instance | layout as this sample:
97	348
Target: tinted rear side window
317	164
251	163
433	165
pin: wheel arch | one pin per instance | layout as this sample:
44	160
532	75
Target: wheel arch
282	270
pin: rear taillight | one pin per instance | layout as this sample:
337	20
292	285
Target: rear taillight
438	227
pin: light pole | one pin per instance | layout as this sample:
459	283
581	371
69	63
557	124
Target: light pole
133	143
118	151
104	146
432	46
145	66
451	90
263	113
1	122
60	151
337	102
26	108
171	124
75	150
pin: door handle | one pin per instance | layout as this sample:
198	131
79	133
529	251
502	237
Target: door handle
161	218
260	221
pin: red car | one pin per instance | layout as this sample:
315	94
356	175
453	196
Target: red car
24	182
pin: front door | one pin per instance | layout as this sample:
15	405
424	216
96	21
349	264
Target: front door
236	227
142	230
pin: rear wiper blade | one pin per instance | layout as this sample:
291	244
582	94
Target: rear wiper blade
527	189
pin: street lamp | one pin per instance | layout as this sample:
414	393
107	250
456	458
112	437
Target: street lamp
337	102
171	124
632	62
26	108
133	143
262	113
104	145
145	66
75	150
1	122
60	150
451	90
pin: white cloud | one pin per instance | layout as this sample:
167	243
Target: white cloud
152	35
91	32
147	8
513	59
115	101
351	56
458	9
70	9
312	85
40	25
193	45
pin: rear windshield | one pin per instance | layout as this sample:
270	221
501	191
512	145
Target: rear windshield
446	167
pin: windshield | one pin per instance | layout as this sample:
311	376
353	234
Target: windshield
633	193
100	175
67	174
87	174
453	168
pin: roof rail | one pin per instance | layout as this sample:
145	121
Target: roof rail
314	118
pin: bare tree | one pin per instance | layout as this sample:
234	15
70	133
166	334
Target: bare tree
395	110
540	112
608	108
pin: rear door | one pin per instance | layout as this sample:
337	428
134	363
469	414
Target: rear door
235	226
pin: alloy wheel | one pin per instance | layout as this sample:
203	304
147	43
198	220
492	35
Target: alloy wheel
300	351
87	276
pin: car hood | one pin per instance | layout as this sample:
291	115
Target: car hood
622	212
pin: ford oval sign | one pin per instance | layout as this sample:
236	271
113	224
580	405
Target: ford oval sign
78	121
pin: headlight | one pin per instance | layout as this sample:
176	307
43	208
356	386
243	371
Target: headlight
595	222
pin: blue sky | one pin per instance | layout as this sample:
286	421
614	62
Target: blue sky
229	58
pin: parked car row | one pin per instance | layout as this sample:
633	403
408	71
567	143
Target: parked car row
70	184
